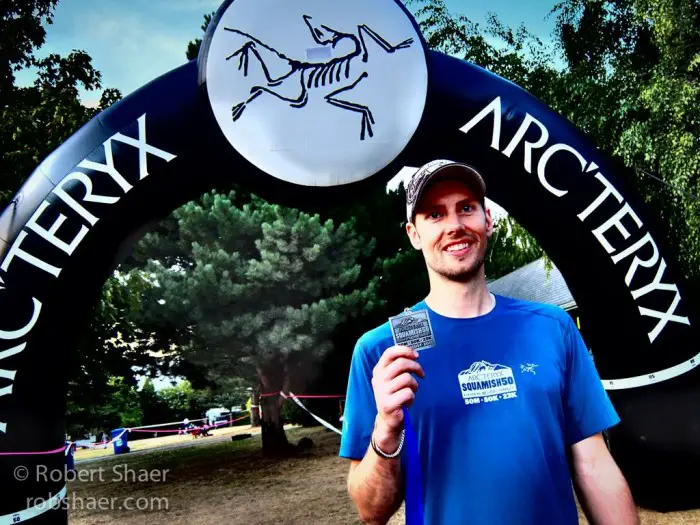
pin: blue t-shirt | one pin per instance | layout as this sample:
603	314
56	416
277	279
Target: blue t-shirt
504	396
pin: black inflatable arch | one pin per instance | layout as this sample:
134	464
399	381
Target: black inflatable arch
69	225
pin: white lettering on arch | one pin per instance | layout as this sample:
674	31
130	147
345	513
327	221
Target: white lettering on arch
495	108
529	146
542	166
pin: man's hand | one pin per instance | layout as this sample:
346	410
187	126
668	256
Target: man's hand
394	387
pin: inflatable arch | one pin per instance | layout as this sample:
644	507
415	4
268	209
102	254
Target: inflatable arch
319	103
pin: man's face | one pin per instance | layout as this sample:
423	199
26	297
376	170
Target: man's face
451	228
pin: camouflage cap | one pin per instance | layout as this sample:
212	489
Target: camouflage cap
443	168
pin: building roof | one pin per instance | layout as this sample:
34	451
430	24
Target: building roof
531	283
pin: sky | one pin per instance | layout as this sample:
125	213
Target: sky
133	42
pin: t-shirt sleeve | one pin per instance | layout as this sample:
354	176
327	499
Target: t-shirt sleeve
587	407
360	407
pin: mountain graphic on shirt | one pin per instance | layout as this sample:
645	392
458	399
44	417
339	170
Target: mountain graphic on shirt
483	366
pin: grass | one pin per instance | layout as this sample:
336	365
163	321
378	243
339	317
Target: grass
231	482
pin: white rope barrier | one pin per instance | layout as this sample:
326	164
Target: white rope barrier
164	424
323	422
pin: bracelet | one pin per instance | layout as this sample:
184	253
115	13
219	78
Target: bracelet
383	454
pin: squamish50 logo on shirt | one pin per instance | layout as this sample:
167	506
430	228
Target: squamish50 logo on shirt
484	382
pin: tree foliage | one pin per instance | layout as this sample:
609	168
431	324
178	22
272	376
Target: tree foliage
632	82
246	289
107	348
254	284
41	117
194	45
21	32
35	120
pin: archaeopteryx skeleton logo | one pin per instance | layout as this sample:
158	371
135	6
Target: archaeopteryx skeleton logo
339	74
529	367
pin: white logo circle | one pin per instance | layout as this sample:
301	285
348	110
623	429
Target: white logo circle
315	92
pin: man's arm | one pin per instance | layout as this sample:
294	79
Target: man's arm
375	483
602	490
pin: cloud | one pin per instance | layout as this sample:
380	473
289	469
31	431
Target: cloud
132	49
197	6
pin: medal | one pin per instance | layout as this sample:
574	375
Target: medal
412	329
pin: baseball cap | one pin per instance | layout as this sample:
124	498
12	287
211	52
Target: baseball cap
442	168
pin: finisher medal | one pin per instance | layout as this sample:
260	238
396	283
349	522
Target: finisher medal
413	329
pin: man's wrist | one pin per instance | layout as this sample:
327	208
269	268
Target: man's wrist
386	439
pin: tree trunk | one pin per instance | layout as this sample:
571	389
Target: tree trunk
274	439
255	410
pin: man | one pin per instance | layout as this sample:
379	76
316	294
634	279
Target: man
507	405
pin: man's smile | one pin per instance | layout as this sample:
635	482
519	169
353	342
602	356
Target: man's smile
458	249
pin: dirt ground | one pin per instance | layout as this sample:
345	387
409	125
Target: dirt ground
230	482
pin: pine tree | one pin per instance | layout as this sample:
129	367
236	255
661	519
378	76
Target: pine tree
255	290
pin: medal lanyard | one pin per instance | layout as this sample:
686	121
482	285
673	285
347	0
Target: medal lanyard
412	329
414	476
